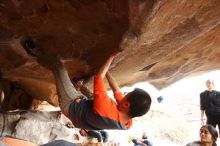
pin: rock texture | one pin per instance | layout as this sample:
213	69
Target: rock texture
163	40
37	127
41	127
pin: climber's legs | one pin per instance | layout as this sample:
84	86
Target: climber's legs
65	89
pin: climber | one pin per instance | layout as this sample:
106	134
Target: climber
102	112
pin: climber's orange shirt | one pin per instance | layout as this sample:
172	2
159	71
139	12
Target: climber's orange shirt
100	113
103	104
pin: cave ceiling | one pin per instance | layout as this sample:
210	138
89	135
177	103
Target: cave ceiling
162	40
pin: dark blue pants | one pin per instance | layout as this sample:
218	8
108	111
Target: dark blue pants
214	121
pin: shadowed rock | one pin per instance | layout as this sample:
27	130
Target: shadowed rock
163	41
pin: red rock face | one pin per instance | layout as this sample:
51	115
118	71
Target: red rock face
163	41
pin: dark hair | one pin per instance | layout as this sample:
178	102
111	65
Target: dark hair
213	132
144	136
134	141
140	102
